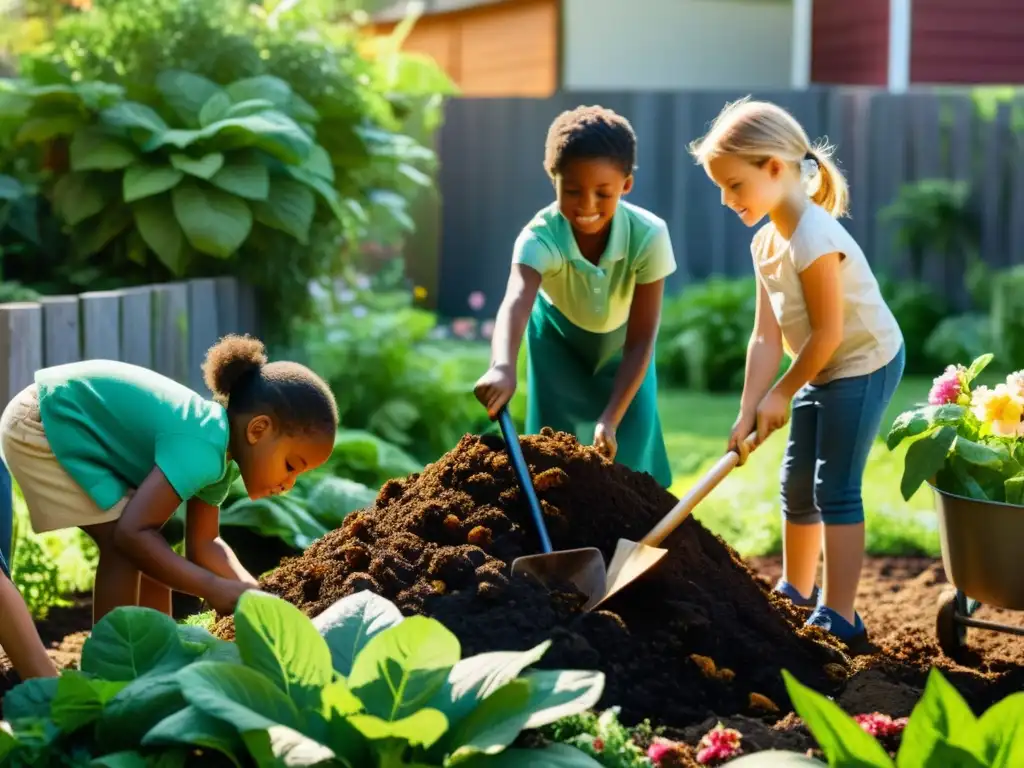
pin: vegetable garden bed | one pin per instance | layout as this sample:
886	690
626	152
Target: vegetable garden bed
698	640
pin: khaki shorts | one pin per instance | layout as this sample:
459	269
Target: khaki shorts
54	500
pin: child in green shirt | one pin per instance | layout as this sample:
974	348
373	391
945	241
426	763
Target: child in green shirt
115	449
588	276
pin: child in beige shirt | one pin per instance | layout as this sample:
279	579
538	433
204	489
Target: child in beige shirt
819	302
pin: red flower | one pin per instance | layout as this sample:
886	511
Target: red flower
599	745
720	743
881	726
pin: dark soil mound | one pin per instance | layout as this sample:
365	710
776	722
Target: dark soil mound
441	542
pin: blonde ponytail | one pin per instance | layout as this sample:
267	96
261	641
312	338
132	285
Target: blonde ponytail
759	130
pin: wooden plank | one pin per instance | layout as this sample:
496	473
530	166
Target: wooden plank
101	325
137	326
62	330
227	306
202	328
170	330
21	355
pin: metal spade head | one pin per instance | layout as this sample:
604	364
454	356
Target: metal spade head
583	568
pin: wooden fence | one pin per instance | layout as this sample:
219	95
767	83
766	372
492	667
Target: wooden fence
166	327
491	178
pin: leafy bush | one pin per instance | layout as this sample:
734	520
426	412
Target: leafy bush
359	685
959	339
702	342
1008	314
970	441
604	738
929	738
918	309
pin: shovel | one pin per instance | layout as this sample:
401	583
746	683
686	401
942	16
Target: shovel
584	567
633	559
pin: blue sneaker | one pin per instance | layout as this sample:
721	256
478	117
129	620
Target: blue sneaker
785	588
832	622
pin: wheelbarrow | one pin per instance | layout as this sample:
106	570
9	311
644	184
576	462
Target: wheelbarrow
981	557
584	568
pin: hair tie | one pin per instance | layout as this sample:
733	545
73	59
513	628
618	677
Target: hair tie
810	174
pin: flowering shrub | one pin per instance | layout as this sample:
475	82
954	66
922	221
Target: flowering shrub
967	441
718	745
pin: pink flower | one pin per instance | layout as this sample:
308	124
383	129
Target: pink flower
598	745
477	300
881	726
660	749
720	743
464	327
948	387
487	329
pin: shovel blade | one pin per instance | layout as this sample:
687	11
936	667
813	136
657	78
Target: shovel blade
630	561
583	568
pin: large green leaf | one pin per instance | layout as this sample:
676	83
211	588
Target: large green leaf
138	708
1000	733
40	129
273	89
140	121
351	622
80	699
925	457
287	519
145	179
244	176
249	107
492	725
204	167
213	221
333	499
31	699
474	679
97	233
559	693
289	207
979	454
327	192
319	163
920	420
186	93
941	715
192	727
77	196
275	638
92	149
130	642
237	695
217	107
273	132
421	728
399	670
154	217
1014	489
842	740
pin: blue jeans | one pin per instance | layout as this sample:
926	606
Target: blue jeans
831	431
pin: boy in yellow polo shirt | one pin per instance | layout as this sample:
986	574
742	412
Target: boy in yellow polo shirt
114	449
599	266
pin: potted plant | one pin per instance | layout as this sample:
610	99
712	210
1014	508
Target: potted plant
967	443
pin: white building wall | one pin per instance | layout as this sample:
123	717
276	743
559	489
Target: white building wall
677	44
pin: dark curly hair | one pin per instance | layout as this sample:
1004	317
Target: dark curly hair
590	133
237	372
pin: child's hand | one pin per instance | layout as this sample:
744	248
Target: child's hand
741	430
772	413
605	441
495	388
225	594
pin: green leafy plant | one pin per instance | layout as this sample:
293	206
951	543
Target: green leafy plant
1008	313
968	440
918	309
959	338
604	738
358	686
941	730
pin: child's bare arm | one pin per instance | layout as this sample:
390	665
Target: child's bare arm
19	637
138	536
205	547
514	313
764	353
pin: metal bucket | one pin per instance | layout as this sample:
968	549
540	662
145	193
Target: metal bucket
982	548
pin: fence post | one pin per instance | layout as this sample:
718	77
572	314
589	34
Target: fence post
202	327
137	326
21	355
101	325
62	330
227	306
170	330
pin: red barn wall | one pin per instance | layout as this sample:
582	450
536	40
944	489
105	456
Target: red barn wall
967	41
850	43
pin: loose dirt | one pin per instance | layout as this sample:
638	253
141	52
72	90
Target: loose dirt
685	646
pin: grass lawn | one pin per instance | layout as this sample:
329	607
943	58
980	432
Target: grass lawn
744	509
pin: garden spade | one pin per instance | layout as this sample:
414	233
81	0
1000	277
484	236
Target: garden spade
633	559
584	567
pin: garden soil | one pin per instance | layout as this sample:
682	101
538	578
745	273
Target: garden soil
686	646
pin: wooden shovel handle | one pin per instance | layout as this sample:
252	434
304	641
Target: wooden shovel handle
695	495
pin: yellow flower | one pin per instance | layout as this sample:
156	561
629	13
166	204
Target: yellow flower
1001	408
419	293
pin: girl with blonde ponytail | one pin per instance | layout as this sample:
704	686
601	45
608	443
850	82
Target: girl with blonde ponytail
819	302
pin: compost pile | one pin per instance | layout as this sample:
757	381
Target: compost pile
697	635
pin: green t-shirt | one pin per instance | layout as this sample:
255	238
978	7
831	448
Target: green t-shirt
597	297
110	423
